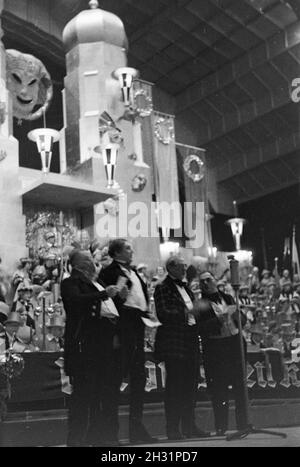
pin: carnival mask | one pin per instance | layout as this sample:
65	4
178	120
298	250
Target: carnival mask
29	83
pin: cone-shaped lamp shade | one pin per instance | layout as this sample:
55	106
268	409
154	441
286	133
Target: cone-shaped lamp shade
44	139
110	154
126	75
237	225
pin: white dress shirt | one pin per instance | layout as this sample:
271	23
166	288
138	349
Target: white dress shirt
136	297
108	308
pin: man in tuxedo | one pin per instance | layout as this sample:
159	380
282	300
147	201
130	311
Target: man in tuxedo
132	309
221	352
177	344
90	355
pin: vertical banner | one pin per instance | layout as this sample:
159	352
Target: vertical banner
193	193
166	174
295	257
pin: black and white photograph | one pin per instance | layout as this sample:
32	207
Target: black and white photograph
150	226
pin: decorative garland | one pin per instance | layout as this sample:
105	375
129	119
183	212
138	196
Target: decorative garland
164	130
147	108
195	176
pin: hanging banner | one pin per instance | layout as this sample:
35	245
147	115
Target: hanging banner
166	174
193	191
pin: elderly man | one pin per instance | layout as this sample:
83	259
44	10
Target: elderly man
132	308
89	355
221	352
177	344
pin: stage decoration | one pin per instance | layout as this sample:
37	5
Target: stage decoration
142	99
126	75
29	83
38	226
110	142
237	225
111	206
138	183
108	126
132	157
2	112
110	155
192	160
165	175
141	105
121	194
3	155
44	139
12	364
164	130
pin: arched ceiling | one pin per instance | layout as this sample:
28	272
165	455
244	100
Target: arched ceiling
228	65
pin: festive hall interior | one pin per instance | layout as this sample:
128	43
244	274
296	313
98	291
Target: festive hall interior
174	124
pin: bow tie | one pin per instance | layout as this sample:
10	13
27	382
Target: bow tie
179	282
125	266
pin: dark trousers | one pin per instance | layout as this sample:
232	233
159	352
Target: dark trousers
180	393
223	368
133	363
93	407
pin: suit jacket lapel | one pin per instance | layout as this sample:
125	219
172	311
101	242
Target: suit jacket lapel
144	286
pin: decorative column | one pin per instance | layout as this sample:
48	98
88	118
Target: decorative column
12	226
95	44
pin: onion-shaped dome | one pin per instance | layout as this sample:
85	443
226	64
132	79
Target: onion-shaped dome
94	25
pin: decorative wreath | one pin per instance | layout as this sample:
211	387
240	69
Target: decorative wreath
138	183
164	130
143	103
195	176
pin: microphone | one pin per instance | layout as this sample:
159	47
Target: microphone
234	272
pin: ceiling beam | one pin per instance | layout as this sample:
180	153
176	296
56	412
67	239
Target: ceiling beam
163	15
265	192
278	148
243	116
235	70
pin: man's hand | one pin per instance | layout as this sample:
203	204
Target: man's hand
123	293
191	319
112	291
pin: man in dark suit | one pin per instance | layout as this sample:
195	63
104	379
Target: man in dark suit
132	309
221	352
177	344
89	355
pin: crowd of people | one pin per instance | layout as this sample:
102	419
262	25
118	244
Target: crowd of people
107	313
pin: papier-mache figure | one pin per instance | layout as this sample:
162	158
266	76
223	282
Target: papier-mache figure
9	339
29	84
22	275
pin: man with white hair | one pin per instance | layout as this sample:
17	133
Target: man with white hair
177	344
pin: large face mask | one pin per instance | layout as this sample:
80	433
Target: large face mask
29	83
